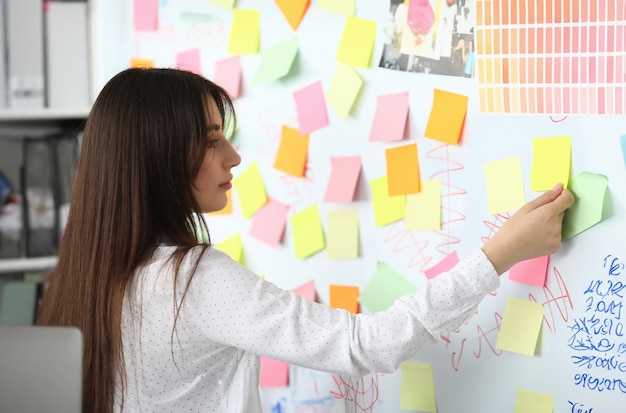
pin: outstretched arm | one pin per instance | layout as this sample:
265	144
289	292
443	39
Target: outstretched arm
533	231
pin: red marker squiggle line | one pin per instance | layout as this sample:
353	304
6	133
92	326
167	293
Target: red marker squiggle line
562	301
457	356
406	240
449	193
361	398
557	120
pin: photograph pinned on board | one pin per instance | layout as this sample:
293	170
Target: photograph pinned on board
430	37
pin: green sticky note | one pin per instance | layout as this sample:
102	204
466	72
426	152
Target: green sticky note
385	287
592	205
276	61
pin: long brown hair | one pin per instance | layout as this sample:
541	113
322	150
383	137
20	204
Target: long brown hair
144	142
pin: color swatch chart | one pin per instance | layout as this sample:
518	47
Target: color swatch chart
551	56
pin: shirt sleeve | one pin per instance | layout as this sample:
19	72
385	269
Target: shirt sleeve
234	307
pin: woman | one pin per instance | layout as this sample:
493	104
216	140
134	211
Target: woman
172	324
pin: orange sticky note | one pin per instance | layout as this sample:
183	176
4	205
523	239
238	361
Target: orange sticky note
344	296
292	152
403	174
228	209
141	63
293	10
447	116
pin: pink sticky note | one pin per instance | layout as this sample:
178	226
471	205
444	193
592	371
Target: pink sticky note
268	224
532	271
442	266
390	117
189	60
228	75
273	373
344	176
307	291
145	15
311	108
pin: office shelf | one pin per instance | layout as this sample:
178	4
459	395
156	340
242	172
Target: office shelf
20	265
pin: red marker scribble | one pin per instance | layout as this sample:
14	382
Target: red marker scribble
562	301
360	395
406	240
449	192
557	120
484	336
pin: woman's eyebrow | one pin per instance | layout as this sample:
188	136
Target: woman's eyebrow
214	127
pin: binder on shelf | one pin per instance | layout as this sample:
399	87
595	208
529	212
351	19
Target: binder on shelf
25	54
3	54
66	57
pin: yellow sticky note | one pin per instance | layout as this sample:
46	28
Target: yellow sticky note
344	296
551	162
357	42
387	209
292	152
307	232
141	63
227	4
244	32
233	247
447	116
529	401
228	209
250	190
417	387
293	10
521	325
343	234
344	90
403	172
593	203
505	185
345	7
423	209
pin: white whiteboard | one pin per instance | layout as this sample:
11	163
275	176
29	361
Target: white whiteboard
470	374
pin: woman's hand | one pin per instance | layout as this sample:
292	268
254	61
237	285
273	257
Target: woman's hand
533	231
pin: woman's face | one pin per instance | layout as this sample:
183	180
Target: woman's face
214	177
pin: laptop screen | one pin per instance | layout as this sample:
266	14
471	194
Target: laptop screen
40	369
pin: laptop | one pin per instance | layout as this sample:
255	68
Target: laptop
40	369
